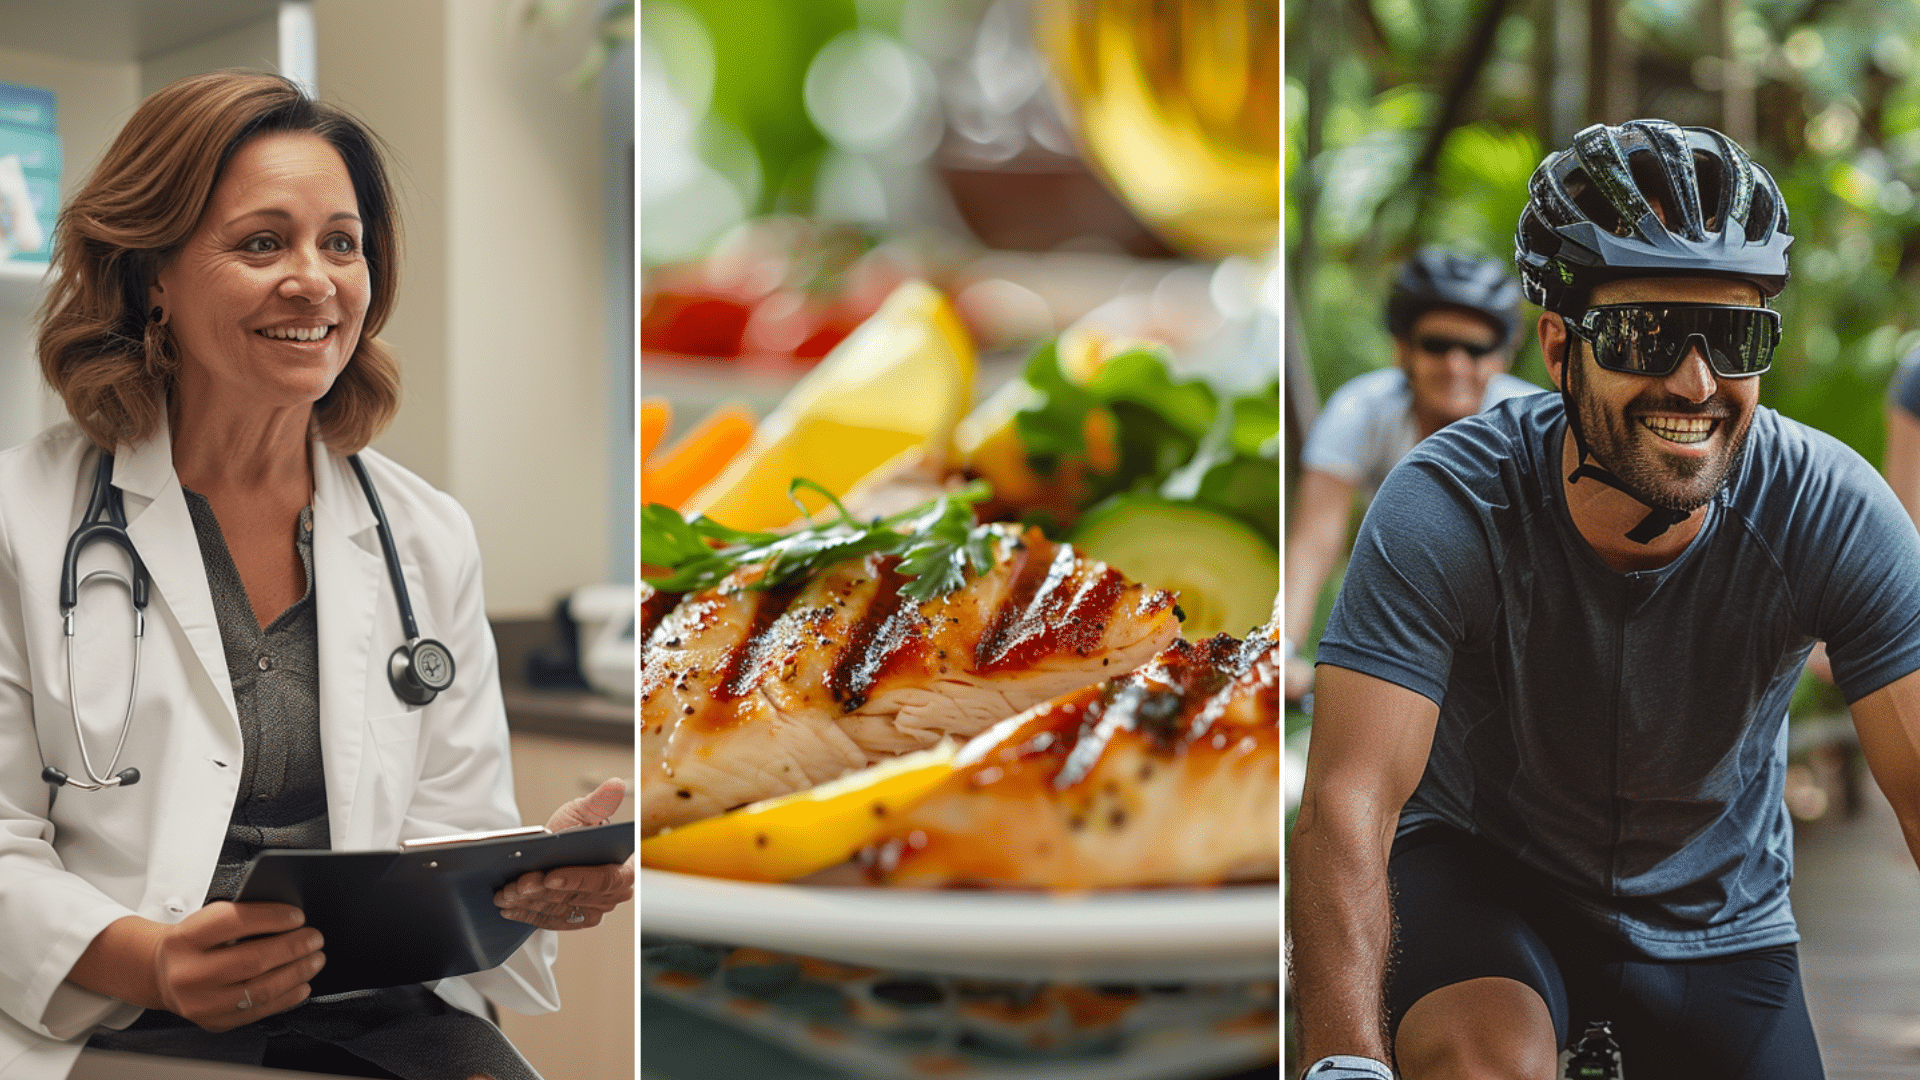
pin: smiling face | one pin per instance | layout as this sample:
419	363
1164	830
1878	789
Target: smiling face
1448	383
1674	438
266	298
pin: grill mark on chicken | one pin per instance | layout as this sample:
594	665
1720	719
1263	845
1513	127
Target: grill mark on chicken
770	650
1044	615
736	674
887	626
1086	617
1105	713
1029	570
1153	710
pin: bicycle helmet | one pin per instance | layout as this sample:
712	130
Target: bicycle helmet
1590	214
1591	217
1438	278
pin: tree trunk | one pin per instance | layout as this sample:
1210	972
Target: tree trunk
1324	40
1453	107
1611	93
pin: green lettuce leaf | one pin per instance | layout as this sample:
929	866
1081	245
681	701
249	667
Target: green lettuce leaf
1178	438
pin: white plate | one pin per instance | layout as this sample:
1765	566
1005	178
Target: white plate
1222	934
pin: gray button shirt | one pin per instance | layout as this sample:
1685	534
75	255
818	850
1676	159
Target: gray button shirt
276	689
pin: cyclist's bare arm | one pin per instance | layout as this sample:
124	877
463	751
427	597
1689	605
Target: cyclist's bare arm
1903	476
1903	458
1888	721
1323	504
1370	744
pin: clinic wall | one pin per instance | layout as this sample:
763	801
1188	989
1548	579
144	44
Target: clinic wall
250	45
527	229
387	63
503	191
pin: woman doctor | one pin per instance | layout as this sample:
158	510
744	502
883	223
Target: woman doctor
222	276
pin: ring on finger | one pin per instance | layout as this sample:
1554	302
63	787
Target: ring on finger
246	999
575	915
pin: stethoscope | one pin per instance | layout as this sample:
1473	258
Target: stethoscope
419	670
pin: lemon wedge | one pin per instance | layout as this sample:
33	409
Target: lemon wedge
784	838
901	380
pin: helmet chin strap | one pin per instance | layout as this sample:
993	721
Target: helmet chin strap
1659	518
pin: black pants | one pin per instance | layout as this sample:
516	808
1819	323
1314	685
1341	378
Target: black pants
402	1033
1467	911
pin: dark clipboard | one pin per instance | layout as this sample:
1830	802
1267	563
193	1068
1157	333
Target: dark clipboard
391	918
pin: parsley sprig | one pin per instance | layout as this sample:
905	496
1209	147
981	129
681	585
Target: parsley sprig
938	545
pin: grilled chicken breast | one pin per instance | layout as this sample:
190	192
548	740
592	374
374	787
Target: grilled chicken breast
654	606
747	694
1169	775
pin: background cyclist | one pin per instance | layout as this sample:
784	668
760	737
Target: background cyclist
1453	318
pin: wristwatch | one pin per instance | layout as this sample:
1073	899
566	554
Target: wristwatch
1347	1067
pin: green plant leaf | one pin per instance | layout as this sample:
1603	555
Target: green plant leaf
938	545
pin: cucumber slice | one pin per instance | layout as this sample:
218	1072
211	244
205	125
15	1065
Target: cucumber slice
1226	575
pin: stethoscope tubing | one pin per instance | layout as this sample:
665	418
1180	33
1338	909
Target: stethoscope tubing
104	499
405	671
391	553
104	778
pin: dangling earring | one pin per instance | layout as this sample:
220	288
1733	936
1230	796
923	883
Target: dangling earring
157	314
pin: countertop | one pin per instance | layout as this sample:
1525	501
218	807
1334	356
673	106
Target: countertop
565	714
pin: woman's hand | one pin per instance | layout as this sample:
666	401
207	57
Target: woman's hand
202	969
572	897
208	974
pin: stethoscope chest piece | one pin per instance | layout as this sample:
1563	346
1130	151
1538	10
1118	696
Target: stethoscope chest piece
420	670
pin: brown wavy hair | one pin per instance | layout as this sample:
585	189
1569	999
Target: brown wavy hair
116	369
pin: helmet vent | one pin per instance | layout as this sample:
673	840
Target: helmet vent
1594	205
1654	187
1760	221
1713	194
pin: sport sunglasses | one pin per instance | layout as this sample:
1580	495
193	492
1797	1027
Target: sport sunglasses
1440	345
1650	339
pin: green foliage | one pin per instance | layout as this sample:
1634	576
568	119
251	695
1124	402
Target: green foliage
1815	698
1482	183
761	50
1179	438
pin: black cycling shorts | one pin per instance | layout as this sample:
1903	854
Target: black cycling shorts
1467	911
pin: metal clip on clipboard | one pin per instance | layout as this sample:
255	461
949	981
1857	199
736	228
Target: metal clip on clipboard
472	837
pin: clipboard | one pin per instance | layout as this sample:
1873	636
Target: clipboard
425	912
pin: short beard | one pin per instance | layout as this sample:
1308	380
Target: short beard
1679	484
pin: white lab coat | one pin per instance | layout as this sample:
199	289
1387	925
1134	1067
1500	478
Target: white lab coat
71	865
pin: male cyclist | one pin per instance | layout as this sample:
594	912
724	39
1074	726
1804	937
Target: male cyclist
1550	728
1453	318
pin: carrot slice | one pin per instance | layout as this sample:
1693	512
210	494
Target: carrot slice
656	415
691	463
